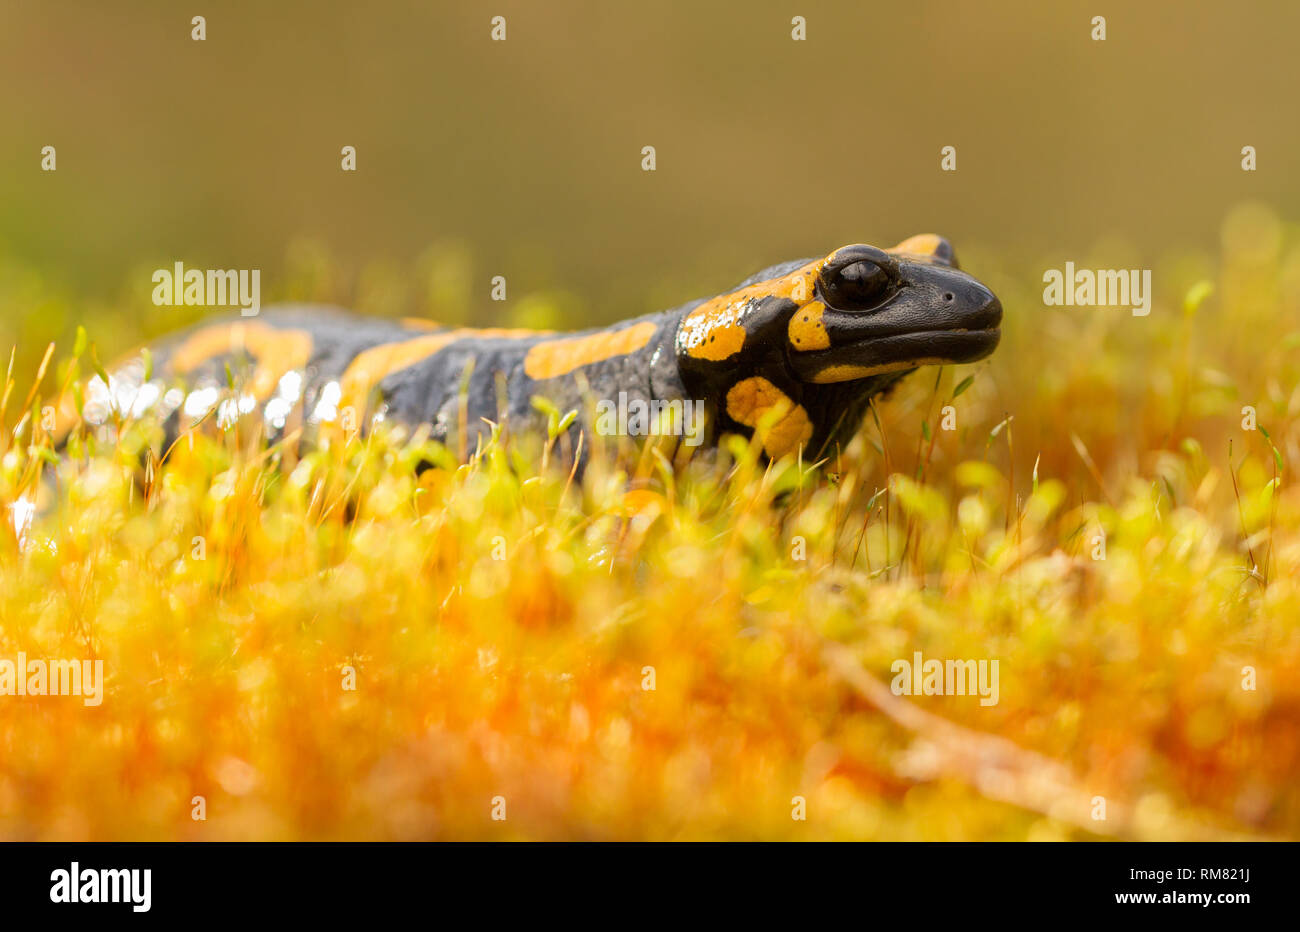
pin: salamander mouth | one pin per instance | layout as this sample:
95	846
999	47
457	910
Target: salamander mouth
867	344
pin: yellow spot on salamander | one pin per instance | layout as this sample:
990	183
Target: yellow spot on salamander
781	424
560	357
723	342
716	329
807	332
369	367
275	351
925	246
847	372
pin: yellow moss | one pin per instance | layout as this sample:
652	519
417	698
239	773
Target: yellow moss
330	646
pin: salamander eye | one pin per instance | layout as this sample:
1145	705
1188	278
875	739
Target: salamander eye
858	286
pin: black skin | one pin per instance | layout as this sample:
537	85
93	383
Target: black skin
881	309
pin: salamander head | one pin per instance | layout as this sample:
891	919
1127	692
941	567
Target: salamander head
857	313
817	339
877	311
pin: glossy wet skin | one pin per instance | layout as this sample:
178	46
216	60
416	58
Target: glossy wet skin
819	338
795	354
885	312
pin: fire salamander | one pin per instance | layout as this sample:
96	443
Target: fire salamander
794	353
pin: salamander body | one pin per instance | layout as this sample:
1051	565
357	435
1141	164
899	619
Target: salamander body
795	353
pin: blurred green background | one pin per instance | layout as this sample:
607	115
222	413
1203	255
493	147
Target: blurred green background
522	157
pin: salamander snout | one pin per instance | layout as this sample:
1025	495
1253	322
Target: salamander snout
970	306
